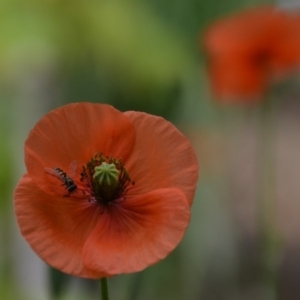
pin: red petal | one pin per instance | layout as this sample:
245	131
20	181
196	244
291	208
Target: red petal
162	157
244	32
249	50
287	50
55	228
75	132
235	80
137	233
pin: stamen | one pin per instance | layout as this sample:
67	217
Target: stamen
105	179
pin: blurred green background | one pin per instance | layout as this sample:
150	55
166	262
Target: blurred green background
146	55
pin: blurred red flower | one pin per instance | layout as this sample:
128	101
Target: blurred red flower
88	227
248	51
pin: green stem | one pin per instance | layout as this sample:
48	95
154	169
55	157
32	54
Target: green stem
104	289
270	240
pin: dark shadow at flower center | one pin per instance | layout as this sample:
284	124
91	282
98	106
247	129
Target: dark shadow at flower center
101	189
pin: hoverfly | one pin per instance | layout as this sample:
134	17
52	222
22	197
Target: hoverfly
67	180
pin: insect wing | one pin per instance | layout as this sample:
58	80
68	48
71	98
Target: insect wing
52	172
72	168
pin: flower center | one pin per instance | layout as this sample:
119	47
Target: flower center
106	179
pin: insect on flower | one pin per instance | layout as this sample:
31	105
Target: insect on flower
67	180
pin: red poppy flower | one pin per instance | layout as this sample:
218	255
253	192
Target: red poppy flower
92	226
249	50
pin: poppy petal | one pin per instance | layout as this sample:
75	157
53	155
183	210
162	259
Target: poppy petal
162	157
250	50
243	81
75	132
137	233
55	228
287	52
